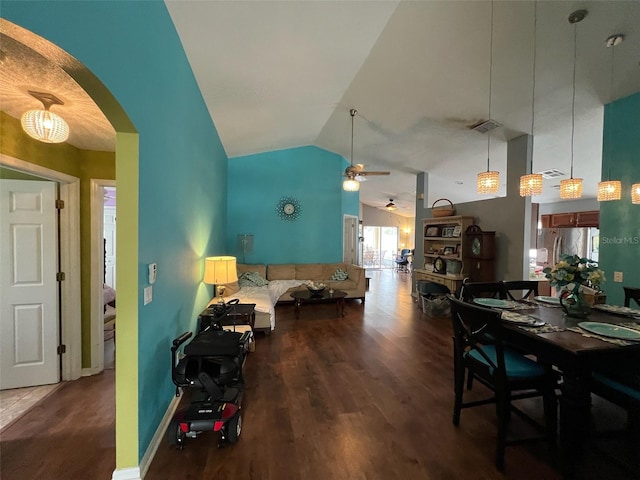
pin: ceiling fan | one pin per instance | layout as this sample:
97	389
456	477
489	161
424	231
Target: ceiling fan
390	206
356	173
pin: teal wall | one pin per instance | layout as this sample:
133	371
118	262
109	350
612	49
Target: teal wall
133	48
620	220
311	175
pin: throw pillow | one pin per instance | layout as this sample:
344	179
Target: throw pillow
339	275
251	279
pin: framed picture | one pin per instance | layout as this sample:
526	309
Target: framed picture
457	250
449	250
457	230
432	232
447	231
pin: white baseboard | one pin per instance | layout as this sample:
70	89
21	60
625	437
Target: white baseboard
132	473
87	372
138	473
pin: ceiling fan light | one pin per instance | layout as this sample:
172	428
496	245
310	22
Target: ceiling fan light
45	126
488	182
635	193
609	190
571	188
530	185
350	185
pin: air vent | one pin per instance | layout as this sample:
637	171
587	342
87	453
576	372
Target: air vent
553	173
485	126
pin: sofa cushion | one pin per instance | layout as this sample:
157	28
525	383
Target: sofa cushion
281	272
309	271
339	275
245	267
328	269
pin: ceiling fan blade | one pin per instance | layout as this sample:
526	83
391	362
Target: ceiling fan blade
374	173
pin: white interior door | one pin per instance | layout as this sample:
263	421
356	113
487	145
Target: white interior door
350	240
109	227
29	332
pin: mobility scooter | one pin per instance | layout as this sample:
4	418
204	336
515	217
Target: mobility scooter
210	370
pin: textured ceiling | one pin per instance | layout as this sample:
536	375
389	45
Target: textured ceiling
278	75
24	69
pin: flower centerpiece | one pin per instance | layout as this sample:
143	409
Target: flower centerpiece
573	273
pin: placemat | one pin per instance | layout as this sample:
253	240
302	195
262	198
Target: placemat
616	341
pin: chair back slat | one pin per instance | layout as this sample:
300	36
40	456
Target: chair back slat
471	290
514	289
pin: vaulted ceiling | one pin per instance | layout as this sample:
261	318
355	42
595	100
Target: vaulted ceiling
278	74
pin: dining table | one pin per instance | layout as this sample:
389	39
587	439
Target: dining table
574	348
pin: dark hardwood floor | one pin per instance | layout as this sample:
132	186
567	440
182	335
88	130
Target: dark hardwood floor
366	396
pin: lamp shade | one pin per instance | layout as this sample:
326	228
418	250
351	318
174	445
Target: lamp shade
45	126
220	270
609	190
351	185
635	193
530	185
488	182
571	188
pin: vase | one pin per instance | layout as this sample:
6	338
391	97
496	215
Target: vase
575	304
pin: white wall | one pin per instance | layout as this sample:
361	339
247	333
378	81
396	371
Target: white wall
376	217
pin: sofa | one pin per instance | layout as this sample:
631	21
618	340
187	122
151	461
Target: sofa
279	280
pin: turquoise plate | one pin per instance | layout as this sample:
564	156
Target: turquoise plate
549	300
610	330
494	303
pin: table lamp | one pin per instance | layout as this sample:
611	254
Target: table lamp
219	271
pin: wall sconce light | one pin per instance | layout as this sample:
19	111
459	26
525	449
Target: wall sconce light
44	125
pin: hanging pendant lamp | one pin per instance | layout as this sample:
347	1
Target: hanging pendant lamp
531	184
351	184
489	182
611	189
572	188
44	125
635	193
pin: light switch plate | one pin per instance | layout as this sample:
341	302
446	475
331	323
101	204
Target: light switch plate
148	294
617	277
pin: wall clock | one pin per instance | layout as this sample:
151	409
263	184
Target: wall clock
288	208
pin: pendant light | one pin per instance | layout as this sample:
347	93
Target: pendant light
531	184
611	189
635	193
351	184
572	187
44	125
489	182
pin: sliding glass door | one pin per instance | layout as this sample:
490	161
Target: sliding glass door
380	247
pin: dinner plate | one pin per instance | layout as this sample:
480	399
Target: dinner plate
494	303
610	330
549	300
634	312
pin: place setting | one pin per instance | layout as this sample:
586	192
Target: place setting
504	304
617	310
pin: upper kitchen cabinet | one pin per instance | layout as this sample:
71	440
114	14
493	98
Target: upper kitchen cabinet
571	219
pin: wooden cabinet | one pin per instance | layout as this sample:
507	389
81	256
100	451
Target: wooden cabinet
588	219
571	219
443	239
479	254
563	220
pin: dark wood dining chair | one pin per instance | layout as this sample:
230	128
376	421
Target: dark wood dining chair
515	289
631	293
506	372
471	290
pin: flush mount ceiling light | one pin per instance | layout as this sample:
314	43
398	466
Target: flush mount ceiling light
611	189
489	181
531	184
572	188
390	206
44	125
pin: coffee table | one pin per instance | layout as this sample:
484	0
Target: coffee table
305	296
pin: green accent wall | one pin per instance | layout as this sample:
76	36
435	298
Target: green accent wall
83	164
312	176
620	220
